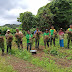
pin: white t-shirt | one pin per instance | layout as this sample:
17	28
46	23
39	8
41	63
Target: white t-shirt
19	32
61	36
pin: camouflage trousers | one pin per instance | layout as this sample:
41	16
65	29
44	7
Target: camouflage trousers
46	42
9	45
36	43
19	43
69	42
52	39
2	46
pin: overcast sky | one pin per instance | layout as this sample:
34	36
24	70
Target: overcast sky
10	9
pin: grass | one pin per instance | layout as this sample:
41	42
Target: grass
49	65
4	67
45	63
60	52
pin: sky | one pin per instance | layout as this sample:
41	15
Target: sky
10	9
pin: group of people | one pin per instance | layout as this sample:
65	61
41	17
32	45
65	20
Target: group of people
48	36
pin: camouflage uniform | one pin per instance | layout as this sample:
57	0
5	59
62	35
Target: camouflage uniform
2	44
37	41
69	36
19	41
9	43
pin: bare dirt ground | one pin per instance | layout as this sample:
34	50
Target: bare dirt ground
22	66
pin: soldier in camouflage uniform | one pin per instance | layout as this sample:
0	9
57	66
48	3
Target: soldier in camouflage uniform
2	43
19	40
37	37
9	39
69	32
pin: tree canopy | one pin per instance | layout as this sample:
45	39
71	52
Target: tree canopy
62	11
57	13
27	19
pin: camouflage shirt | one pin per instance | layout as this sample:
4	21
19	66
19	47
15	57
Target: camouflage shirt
1	42
19	33
7	35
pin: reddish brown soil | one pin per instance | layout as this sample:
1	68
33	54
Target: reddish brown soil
23	66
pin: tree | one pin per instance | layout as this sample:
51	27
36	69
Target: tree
3	30
62	10
57	13
45	17
27	19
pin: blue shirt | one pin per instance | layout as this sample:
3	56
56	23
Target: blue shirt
35	31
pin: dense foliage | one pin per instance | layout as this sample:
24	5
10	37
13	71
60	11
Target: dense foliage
12	28
27	19
62	11
4	29
57	13
45	18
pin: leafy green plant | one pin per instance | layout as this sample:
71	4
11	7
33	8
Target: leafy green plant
48	65
22	54
69	58
54	52
45	63
32	30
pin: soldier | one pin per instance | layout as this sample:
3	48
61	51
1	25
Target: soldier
9	39
52	35
19	36
69	32
29	39
37	37
46	38
2	43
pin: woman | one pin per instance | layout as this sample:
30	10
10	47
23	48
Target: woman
61	37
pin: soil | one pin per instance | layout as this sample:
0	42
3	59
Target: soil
20	65
24	66
62	62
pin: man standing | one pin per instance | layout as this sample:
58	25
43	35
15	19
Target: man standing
19	36
29	39
69	32
2	43
46	38
52	35
37	37
9	39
